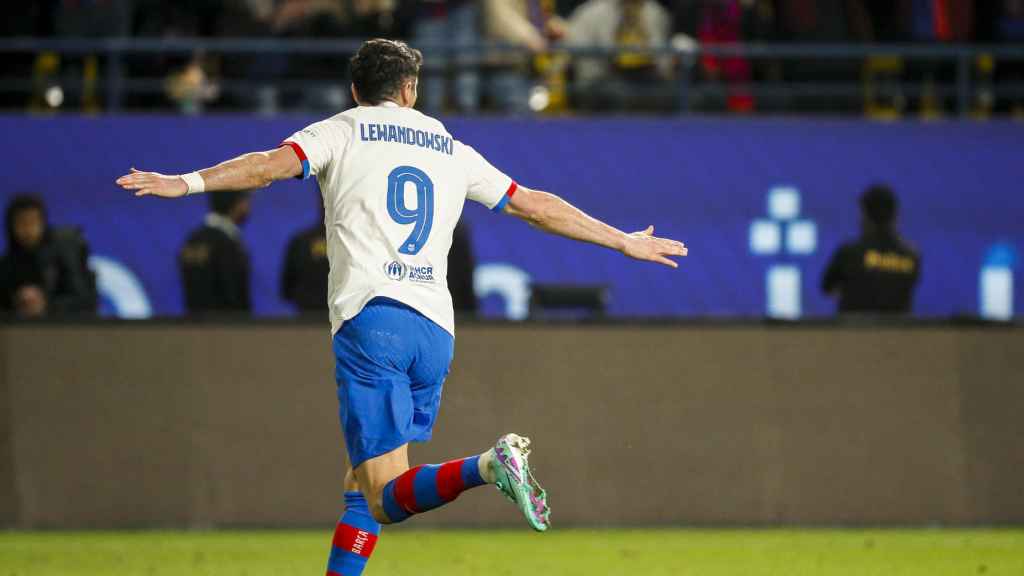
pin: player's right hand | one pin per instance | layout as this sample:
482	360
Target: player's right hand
153	184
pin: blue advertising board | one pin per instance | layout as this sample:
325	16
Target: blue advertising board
761	203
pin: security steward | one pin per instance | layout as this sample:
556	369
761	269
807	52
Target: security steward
877	273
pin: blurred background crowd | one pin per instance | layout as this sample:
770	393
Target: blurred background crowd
525	56
46	270
284	63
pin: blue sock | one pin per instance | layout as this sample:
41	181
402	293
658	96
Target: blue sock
427	487
354	538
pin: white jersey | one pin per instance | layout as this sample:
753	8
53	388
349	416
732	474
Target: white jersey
394	182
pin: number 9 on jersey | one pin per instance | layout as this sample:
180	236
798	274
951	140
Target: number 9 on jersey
422	216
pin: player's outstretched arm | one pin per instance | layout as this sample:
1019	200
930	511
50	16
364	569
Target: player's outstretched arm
550	213
248	171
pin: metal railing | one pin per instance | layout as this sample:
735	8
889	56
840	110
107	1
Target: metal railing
690	87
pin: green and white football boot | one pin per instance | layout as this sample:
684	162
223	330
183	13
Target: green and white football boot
513	478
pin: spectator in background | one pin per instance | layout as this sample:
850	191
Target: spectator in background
305	272
565	7
629	79
23	19
940	22
441	22
187	84
375	18
45	271
294	19
878	272
70	78
824	22
1002	22
727	22
214	263
461	265
324	19
527	24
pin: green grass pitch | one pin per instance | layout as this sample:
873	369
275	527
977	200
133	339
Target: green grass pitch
409	552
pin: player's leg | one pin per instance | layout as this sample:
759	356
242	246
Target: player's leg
375	407
391	365
369	384
374	474
393	490
355	534
392	362
429	486
351	484
396	492
426	487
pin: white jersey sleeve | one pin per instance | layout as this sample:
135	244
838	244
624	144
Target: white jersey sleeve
484	183
320	144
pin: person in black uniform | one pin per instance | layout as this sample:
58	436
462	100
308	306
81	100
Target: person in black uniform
214	263
45	270
304	276
878	272
461	264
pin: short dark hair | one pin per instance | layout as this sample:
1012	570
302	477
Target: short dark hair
879	204
23	202
17	205
223	202
380	67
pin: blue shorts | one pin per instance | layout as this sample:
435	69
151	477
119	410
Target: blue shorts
391	362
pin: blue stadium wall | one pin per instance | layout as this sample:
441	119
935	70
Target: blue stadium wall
748	196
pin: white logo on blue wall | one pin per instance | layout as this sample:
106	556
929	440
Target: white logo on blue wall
508	282
783	233
121	292
395	270
995	282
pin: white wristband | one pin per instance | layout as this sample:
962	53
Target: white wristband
195	183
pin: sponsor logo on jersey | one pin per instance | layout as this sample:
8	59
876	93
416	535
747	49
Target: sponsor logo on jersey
399	271
395	270
421	273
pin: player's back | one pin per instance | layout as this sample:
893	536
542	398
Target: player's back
394	183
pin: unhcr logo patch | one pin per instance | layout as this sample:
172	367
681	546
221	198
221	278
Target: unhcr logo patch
395	270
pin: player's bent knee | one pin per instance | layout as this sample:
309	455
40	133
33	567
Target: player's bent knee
375	500
377	510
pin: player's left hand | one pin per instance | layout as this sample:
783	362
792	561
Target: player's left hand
153	184
644	245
